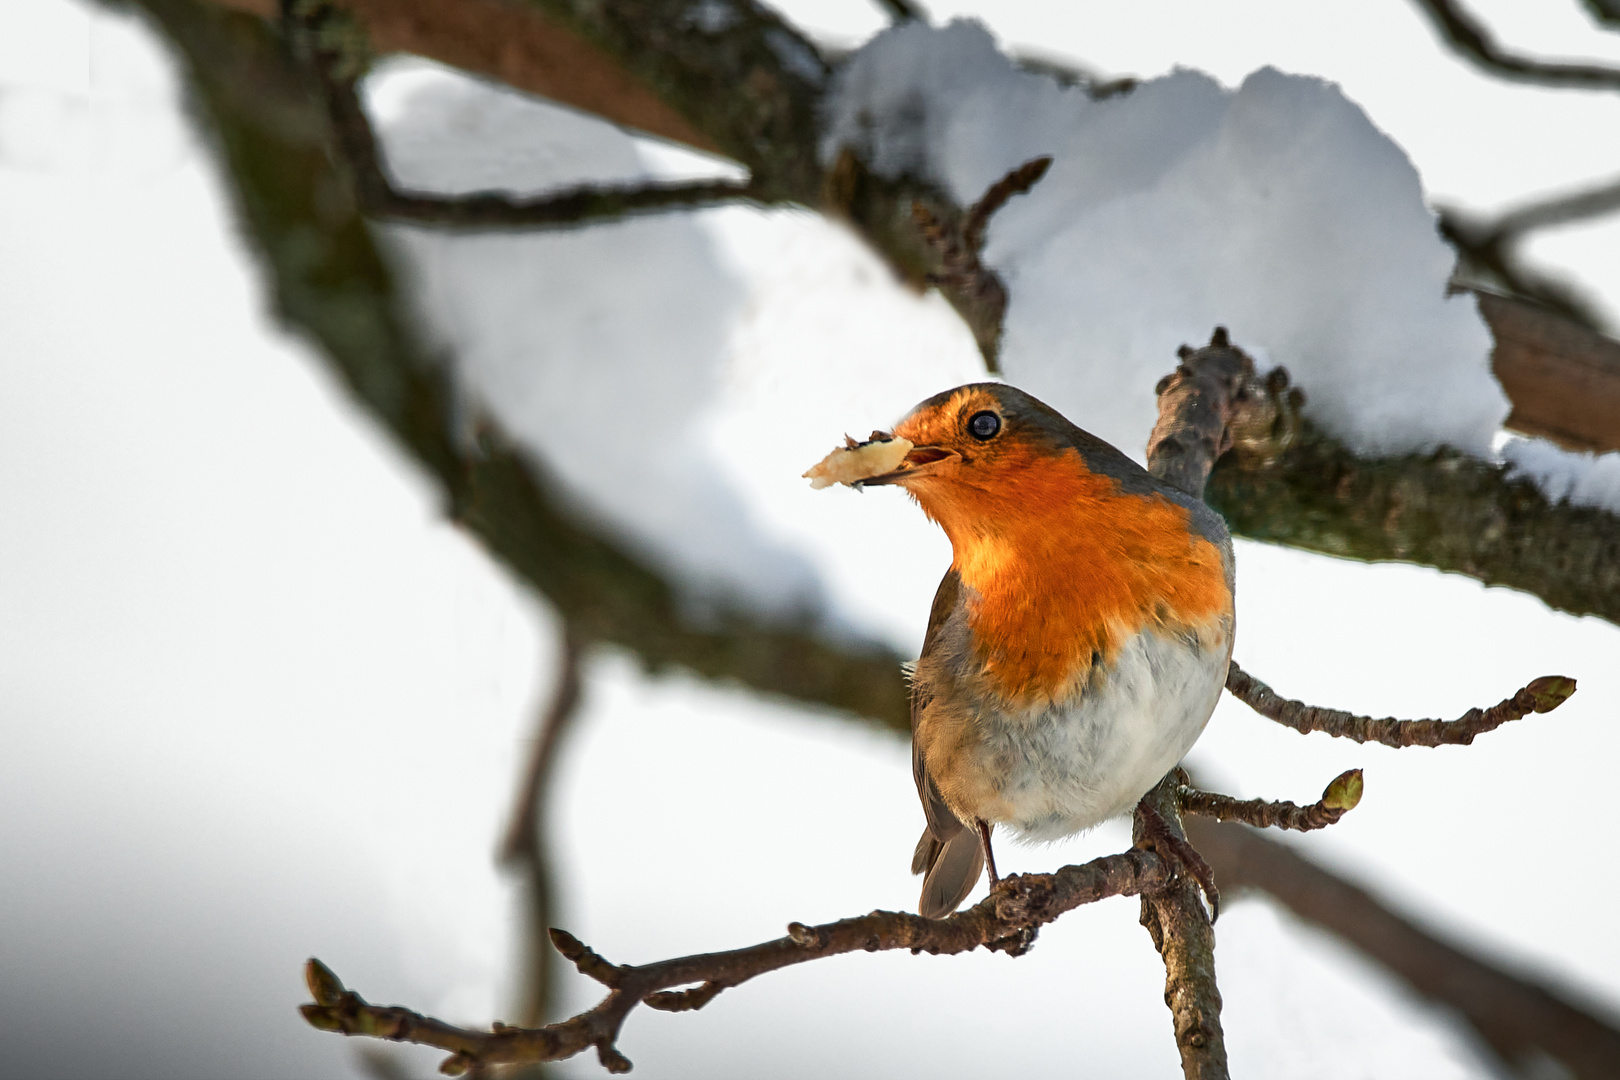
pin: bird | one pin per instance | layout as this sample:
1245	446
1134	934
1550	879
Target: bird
1077	645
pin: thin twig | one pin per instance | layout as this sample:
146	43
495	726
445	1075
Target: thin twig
1468	37
524	850
900	11
1489	248
1541	695
523	833
1007	921
1587	202
378	198
1339	798
972	288
1017	182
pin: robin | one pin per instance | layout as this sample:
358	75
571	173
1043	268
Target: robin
1079	642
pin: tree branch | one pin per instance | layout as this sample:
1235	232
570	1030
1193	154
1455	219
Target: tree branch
331	285
1174	918
1338	798
1443	509
1469	38
973	289
1563	379
1523	1022
524	850
1542	695
315	27
900	11
1007	920
1213	396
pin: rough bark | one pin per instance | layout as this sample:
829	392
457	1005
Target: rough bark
1443	509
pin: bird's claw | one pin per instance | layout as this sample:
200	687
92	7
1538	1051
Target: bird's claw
1158	835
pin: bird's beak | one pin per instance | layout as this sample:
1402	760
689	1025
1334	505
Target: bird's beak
920	461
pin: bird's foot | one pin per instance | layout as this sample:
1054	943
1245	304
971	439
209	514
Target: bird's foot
1156	834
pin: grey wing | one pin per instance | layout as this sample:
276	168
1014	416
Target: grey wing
942	824
949	853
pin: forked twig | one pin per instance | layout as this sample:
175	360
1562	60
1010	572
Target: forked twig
1469	37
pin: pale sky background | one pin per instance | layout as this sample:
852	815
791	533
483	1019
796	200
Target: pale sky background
259	701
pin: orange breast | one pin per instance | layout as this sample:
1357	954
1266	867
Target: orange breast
1064	569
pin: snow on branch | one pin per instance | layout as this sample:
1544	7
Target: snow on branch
320	30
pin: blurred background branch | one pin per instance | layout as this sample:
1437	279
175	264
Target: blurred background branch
526	852
1469	38
1534	1030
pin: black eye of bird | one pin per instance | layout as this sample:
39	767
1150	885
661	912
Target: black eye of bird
984	425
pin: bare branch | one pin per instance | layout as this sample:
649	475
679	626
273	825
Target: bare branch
524	850
1587	202
900	11
357	146
1522	1021
523	832
1213	395
1468	37
1214	402
1338	799
1604	11
1181	932
1017	182
1492	261
975	290
1007	921
1488	248
1542	695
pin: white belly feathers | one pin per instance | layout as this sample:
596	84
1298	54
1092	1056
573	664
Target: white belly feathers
1068	768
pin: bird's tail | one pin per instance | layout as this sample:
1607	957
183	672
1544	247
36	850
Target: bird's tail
952	869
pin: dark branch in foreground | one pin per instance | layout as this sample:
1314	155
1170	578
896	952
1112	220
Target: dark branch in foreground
1542	695
1007	921
1339	798
1523	1022
1467	36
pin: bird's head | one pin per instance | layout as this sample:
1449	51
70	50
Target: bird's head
984	455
